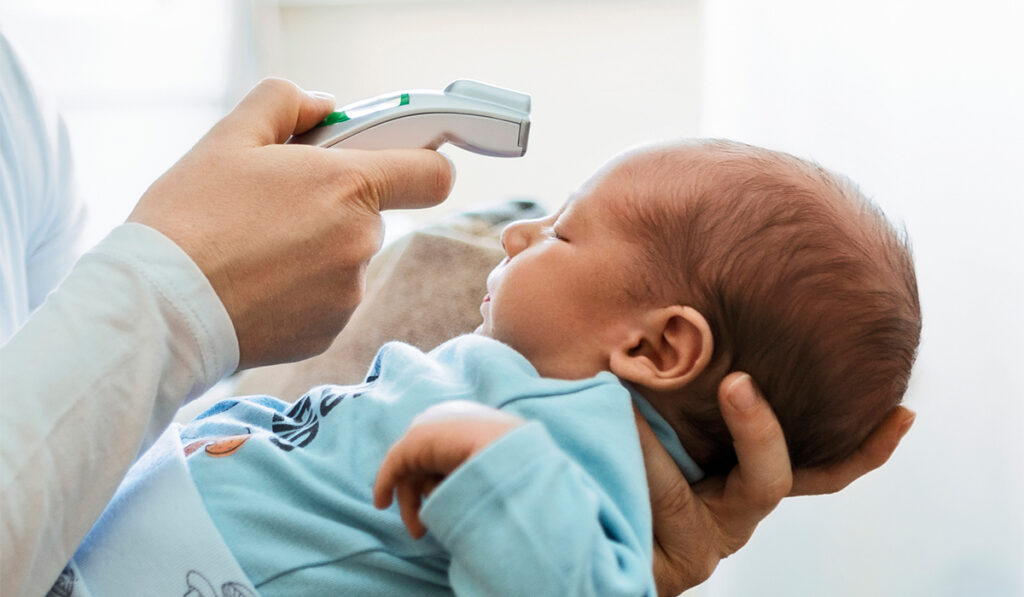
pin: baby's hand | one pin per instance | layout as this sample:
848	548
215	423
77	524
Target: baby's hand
437	442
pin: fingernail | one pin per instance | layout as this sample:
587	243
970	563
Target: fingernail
451	165
321	95
741	393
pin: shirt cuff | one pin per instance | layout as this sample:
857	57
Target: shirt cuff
181	283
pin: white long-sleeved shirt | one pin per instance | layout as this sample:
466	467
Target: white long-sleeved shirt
99	369
90	380
41	215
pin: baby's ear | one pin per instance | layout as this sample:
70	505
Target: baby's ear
669	349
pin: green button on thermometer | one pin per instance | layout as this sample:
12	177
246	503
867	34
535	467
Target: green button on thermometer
474	116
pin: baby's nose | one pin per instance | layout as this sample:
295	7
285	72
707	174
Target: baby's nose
515	237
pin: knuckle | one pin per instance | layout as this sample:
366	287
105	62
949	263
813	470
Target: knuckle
678	498
347	297
762	432
312	346
367	184
690	573
766	498
367	243
671	580
350	260
833	484
321	344
777	489
710	563
372	239
276	85
313	166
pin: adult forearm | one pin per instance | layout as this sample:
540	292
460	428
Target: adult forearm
90	380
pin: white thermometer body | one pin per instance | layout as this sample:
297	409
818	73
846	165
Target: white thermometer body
474	116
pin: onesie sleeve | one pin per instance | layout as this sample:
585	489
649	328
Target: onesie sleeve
92	378
523	518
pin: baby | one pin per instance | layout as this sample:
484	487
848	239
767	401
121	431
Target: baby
671	267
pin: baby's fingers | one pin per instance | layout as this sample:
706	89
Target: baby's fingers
392	470
397	476
438	441
421	458
394	467
409	500
383	489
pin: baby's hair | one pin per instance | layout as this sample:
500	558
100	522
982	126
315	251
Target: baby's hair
805	285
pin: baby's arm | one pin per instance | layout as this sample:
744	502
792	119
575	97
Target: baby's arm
516	513
438	441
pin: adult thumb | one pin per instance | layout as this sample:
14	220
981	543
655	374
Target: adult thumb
763	475
271	112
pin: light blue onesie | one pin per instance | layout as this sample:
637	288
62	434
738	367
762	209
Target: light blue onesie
557	506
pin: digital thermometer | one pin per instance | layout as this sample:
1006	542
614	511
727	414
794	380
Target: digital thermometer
474	116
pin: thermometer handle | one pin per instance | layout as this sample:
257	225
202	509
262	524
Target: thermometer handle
474	116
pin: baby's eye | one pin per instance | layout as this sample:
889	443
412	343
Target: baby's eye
555	234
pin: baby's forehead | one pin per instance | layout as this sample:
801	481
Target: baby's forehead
658	191
644	178
678	174
652	171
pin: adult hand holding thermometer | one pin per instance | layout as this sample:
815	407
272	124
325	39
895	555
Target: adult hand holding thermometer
475	116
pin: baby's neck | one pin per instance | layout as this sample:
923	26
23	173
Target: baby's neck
700	446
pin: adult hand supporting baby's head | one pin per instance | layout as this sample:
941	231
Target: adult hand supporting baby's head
284	232
694	529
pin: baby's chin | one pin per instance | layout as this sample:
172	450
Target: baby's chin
482	329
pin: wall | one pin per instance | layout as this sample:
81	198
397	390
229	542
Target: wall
137	81
921	103
603	76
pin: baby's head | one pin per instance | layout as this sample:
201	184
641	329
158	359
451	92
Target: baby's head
675	265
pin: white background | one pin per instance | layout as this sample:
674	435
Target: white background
918	101
921	103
